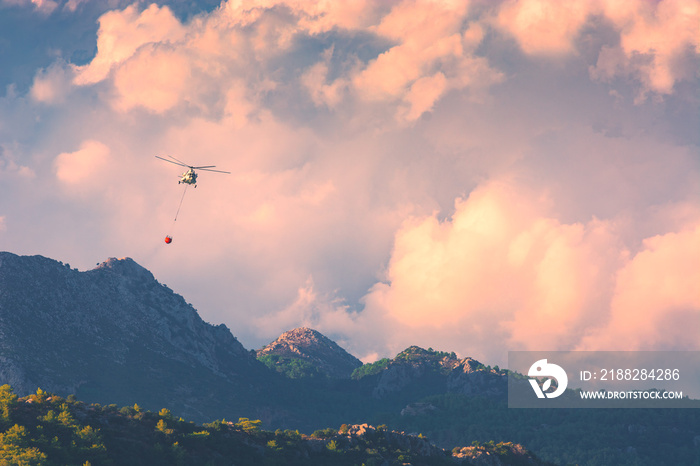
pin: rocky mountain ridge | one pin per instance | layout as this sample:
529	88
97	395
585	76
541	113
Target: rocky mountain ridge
465	376
314	348
112	331
115	331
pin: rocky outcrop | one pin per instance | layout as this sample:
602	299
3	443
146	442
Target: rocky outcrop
313	347
418	409
413	443
383	442
443	371
471	378
501	454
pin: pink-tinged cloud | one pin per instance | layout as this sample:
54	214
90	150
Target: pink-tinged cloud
429	36
52	85
656	302
654	39
313	16
44	7
84	168
654	36
155	78
423	94
542	26
345	124
503	268
121	34
159	63
236	41
315	79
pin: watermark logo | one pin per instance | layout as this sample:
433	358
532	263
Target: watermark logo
543	369
604	379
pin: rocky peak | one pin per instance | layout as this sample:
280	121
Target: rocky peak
127	267
313	347
415	365
64	330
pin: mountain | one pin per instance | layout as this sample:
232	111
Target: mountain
116	336
115	333
418	370
311	352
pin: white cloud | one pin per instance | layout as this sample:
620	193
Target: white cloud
655	38
656	304
501	274
154	78
85	167
544	27
654	42
350	129
52	85
121	34
44	7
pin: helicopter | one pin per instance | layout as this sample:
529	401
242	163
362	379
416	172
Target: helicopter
190	176
187	178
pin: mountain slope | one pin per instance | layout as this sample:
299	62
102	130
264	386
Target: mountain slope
50	430
313	348
416	372
114	333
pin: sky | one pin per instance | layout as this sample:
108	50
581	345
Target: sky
471	176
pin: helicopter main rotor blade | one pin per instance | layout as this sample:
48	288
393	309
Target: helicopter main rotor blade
210	170
176	163
183	163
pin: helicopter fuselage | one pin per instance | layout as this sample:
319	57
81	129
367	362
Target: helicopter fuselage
189	177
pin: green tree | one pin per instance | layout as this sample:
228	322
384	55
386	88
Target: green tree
248	425
162	426
15	448
65	417
324	433
8	400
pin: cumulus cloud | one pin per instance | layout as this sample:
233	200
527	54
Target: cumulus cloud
155	58
466	176
655	304
154	79
120	35
44	7
84	167
500	265
543	27
52	85
430	48
656	39
429	36
315	79
10	167
655	42
502	268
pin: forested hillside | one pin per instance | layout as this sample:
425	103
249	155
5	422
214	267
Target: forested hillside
46	429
